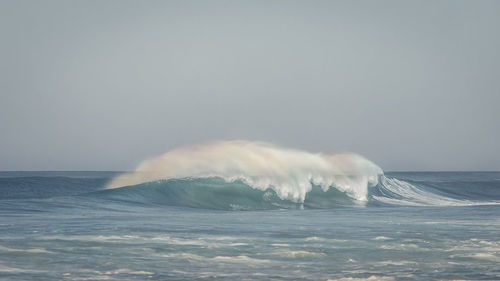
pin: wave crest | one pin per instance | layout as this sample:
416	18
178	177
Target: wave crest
290	173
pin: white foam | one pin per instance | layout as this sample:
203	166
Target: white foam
299	254
183	256
33	251
398	263
9	269
382	238
128	271
322	239
402	247
280	245
371	278
289	172
178	241
97	238
486	257
105	275
240	259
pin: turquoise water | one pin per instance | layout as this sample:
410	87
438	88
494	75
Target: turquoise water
414	226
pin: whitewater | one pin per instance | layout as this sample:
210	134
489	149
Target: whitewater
241	210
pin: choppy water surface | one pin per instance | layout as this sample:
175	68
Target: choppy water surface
412	226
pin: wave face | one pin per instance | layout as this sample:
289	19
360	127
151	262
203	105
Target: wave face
218	194
291	174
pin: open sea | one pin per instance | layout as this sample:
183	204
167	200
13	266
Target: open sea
412	226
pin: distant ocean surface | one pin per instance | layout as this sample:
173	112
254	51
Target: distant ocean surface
412	226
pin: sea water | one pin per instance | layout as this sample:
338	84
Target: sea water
412	226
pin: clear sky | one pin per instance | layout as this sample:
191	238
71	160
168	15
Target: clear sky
101	85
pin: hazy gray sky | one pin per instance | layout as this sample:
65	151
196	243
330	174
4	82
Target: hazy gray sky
93	85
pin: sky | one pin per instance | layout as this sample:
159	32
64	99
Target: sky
102	85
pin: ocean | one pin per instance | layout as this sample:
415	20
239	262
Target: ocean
412	226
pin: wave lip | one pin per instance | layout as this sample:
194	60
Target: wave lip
290	173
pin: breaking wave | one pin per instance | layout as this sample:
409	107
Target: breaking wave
242	175
216	193
290	173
